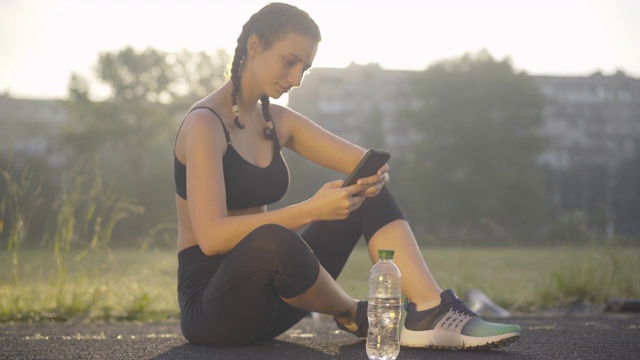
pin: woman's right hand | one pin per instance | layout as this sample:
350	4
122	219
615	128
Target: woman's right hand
333	202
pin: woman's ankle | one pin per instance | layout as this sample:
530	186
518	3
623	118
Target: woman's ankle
347	317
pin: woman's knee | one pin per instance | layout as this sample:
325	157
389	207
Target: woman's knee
274	241
293	264
273	245
379	211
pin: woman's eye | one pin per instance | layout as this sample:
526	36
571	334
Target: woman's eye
289	63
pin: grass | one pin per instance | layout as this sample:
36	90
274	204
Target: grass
141	285
525	279
114	285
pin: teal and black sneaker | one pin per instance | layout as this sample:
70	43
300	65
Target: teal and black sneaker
452	325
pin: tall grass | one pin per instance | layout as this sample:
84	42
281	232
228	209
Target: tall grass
19	200
85	217
130	285
82	221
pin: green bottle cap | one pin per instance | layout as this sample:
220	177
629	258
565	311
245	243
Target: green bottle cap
385	254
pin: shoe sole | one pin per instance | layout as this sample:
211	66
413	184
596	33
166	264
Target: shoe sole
448	340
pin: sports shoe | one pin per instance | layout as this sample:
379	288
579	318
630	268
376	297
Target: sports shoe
361	327
453	325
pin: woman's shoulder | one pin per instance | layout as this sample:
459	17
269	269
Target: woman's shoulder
201	118
211	106
205	110
202	123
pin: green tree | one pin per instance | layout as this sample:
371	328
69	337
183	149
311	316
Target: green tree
475	162
133	127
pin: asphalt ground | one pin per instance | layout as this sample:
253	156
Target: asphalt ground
601	336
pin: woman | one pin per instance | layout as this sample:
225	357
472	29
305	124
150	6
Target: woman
244	274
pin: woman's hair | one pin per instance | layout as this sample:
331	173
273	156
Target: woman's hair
270	24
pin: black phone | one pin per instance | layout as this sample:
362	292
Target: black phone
369	165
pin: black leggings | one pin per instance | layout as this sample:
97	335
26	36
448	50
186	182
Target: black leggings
235	298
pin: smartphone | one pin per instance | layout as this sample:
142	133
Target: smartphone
369	165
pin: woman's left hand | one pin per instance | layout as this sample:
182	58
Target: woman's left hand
372	185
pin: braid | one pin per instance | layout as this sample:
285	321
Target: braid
270	23
235	77
266	114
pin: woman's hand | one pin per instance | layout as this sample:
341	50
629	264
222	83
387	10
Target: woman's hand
333	202
372	185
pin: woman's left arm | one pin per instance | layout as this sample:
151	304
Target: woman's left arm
324	148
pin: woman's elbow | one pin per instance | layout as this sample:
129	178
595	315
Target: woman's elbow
211	248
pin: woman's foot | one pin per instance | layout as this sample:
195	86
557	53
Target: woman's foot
453	325
356	324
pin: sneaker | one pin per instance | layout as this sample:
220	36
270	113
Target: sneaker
361	326
453	325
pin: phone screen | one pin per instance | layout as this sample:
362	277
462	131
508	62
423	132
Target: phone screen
370	163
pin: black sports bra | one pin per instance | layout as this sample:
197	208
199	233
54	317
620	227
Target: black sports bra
246	184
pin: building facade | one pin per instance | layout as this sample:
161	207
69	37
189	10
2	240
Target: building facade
31	128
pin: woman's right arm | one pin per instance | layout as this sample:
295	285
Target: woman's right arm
214	230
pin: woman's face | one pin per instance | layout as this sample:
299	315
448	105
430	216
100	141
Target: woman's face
281	67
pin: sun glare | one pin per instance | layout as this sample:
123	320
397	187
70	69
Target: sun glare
542	37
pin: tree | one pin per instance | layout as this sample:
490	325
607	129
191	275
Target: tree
133	128
476	162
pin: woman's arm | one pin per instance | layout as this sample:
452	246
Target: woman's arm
214	230
314	143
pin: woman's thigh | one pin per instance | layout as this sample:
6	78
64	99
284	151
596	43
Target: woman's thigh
242	302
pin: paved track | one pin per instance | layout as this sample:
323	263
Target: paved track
577	337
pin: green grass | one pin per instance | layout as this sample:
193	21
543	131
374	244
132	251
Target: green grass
524	279
141	285
113	285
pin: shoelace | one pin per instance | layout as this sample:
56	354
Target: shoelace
456	305
459	306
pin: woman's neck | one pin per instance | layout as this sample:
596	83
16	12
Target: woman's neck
249	93
248	105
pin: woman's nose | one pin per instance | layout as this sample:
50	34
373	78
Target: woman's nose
295	77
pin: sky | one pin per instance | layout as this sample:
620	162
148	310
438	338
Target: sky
43	41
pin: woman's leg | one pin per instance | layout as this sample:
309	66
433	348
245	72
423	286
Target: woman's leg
261	288
332	243
383	225
417	282
327	297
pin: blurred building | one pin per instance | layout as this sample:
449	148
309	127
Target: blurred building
30	128
592	123
361	103
593	127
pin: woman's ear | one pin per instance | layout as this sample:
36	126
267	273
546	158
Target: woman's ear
254	45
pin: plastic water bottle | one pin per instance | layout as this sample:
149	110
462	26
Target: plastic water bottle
384	310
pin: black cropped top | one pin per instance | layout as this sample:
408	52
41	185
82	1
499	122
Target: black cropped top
247	185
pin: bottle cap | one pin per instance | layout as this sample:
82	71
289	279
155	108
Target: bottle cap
385	254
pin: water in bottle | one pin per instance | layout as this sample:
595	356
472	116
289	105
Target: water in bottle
384	308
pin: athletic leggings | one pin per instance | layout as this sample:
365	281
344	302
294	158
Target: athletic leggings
235	298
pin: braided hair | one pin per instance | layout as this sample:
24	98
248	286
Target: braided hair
270	24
